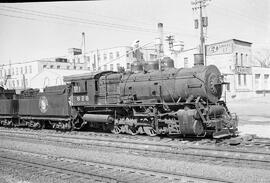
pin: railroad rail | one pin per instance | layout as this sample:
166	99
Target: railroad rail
252	142
238	157
77	169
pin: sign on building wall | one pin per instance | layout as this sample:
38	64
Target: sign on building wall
219	48
242	70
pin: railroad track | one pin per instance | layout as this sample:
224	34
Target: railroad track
91	171
206	154
256	142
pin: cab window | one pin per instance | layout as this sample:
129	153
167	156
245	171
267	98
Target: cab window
79	87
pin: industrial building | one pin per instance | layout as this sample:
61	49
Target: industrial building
19	75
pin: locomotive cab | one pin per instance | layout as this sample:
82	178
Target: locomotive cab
87	89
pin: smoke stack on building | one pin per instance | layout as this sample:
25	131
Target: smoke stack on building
160	44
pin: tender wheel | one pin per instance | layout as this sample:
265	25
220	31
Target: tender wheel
149	131
132	131
116	130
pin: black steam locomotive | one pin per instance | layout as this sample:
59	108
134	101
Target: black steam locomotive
148	101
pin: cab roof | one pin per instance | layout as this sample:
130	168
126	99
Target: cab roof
86	76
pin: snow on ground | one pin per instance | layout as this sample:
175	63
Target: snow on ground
254	115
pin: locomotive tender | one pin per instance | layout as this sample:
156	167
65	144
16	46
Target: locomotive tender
171	101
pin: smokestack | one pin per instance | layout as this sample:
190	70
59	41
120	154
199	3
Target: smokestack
198	59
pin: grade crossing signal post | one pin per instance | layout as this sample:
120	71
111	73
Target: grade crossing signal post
202	22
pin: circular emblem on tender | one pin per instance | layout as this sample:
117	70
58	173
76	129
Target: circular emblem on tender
43	104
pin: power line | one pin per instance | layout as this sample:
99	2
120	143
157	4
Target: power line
85	21
74	19
112	18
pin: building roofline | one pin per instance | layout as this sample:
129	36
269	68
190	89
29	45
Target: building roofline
195	48
108	48
230	40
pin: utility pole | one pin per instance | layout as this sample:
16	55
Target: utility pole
203	22
170	40
160	45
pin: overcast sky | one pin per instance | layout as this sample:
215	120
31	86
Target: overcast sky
31	31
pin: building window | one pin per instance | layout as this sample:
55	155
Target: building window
51	66
44	66
30	69
18	83
111	55
58	67
186	62
12	71
68	67
25	69
127	53
105	67
74	67
21	70
117	54
239	79
111	67
266	78
118	66
257	76
105	56
128	65
17	70
257	81
242	59
236	59
245	79
81	68
247	62
99	68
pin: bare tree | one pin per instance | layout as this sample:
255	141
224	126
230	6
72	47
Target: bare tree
262	57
